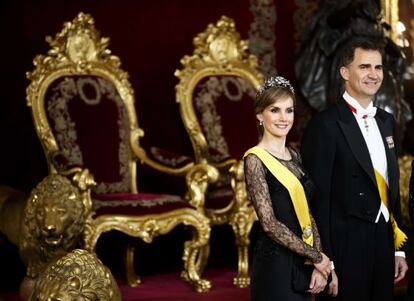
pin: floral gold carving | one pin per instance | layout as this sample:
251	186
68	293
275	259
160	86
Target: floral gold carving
390	15
219	54
405	173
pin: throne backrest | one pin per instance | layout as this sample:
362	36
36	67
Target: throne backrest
83	107
216	91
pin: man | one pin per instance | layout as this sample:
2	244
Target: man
349	152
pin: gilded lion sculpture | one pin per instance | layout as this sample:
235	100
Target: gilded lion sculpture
49	223
53	223
77	276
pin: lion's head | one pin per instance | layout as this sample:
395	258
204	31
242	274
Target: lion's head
79	276
53	223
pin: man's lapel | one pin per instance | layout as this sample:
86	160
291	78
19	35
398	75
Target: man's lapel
356	142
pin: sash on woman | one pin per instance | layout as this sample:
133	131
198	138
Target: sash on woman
294	187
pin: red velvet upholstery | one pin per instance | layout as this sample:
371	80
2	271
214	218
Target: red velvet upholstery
219	196
89	121
91	126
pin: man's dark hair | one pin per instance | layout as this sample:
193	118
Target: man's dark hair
348	50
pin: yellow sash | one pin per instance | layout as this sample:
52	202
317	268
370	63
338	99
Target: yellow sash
293	185
399	236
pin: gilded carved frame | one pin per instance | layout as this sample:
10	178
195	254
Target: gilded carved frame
405	173
77	49
390	13
219	51
80	50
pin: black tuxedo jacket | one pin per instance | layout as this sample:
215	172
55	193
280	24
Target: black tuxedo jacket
335	154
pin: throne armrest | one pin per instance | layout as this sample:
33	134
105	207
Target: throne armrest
198	179
227	164
238	184
140	153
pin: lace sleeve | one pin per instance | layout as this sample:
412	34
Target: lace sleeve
260	197
316	238
295	155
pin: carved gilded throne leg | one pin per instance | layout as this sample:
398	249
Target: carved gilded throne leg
242	223
196	253
132	278
202	258
93	231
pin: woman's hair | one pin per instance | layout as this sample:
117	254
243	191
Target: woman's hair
273	89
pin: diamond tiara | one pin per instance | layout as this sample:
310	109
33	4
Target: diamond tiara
277	81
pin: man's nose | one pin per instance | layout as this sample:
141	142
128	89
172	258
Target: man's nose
373	73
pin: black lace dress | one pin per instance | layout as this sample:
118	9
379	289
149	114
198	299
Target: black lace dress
278	246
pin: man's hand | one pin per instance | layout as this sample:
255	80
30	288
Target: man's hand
401	268
324	267
318	282
333	285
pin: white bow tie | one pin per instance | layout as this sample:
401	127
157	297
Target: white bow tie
364	113
367	113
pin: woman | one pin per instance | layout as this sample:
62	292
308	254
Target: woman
278	187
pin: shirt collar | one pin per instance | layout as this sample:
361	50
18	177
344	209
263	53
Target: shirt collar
354	103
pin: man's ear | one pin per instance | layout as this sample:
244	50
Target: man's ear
344	72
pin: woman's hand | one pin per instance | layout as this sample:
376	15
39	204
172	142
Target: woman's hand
324	267
333	285
317	283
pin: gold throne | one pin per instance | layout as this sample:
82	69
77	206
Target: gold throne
83	109
216	91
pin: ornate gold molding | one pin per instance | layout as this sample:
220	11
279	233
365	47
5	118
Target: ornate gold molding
219	52
412	38
405	173
390	14
150	226
78	49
